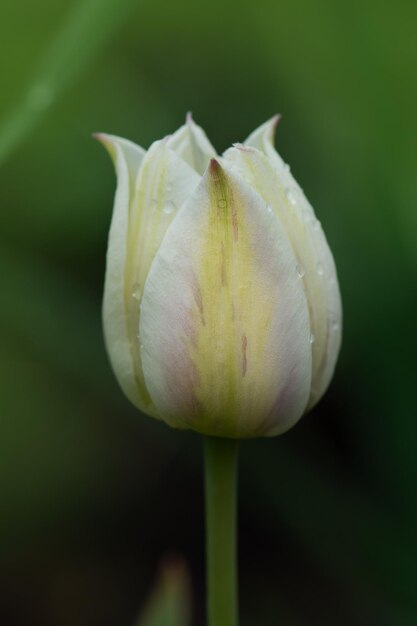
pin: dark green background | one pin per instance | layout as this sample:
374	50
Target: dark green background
92	494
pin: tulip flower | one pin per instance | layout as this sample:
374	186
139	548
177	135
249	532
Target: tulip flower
222	310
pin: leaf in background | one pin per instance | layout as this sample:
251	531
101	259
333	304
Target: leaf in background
170	600
90	24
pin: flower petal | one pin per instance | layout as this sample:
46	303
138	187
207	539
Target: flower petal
224	326
132	154
127	158
259	163
163	183
264	135
190	142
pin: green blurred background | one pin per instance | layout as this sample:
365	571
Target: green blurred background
92	495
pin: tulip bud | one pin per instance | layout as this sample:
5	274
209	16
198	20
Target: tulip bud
221	311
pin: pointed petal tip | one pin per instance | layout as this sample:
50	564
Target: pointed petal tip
275	119
108	143
216	171
214	168
273	123
101	137
191	123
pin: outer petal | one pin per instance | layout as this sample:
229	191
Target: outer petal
127	158
190	142
267	172
263	137
163	183
224	328
132	154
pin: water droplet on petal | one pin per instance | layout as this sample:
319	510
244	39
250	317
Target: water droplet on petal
308	218
312	338
136	291
169	207
300	270
335	326
320	270
291	197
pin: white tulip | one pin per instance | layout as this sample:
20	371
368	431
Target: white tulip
222	311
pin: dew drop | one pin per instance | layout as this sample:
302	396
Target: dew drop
300	270
169	207
312	338
291	197
136	291
335	326
268	208
320	270
307	217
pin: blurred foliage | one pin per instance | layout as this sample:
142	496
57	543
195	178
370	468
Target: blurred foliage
169	604
93	495
70	52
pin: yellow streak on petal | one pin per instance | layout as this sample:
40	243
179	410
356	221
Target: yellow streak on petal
163	184
225	293
224	320
262	167
127	158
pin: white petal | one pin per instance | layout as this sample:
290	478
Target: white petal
263	135
127	159
190	142
164	183
267	172
132	154
224	325
149	193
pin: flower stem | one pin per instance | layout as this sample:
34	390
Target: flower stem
221	553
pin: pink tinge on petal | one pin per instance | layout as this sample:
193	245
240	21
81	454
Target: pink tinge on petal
224	322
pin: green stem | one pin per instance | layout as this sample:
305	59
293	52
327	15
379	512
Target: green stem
221	553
